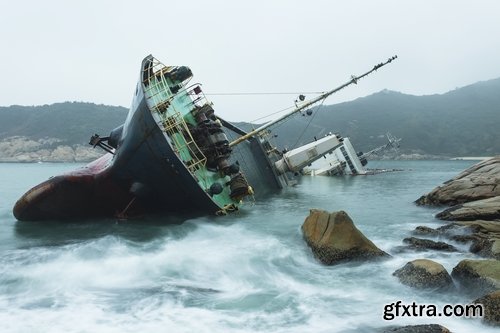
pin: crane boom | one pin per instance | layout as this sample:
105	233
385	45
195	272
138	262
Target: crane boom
354	79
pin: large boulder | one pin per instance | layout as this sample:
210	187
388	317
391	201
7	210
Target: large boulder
485	209
424	274
475	183
478	276
430	328
491	306
334	238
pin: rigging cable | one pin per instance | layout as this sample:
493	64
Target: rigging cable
267	93
309	123
264	93
273	113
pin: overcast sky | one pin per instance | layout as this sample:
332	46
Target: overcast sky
55	51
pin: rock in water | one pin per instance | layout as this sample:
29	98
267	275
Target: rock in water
426	231
475	183
415	243
432	328
478	276
486	209
334	238
424	274
491	306
485	237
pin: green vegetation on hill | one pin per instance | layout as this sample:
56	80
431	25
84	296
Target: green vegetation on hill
463	122
71	122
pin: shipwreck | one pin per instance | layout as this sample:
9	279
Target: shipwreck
174	154
344	160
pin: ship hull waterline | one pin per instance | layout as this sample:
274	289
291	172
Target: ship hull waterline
144	175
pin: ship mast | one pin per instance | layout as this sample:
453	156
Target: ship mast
393	143
354	80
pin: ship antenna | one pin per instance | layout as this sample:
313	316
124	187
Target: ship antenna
354	80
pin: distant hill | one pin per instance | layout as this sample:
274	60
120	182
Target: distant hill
70	122
55	133
462	122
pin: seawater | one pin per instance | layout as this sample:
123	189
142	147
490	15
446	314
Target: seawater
247	272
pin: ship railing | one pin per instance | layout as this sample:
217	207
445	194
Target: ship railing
159	96
198	98
156	87
184	144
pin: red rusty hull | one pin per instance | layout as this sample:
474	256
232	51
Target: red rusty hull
87	192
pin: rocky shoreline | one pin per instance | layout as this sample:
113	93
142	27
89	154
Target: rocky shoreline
471	203
472	206
21	149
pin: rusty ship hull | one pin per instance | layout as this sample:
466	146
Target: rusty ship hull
152	164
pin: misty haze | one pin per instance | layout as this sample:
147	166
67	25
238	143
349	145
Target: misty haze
264	166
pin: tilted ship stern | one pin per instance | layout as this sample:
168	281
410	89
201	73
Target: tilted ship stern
174	149
171	155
